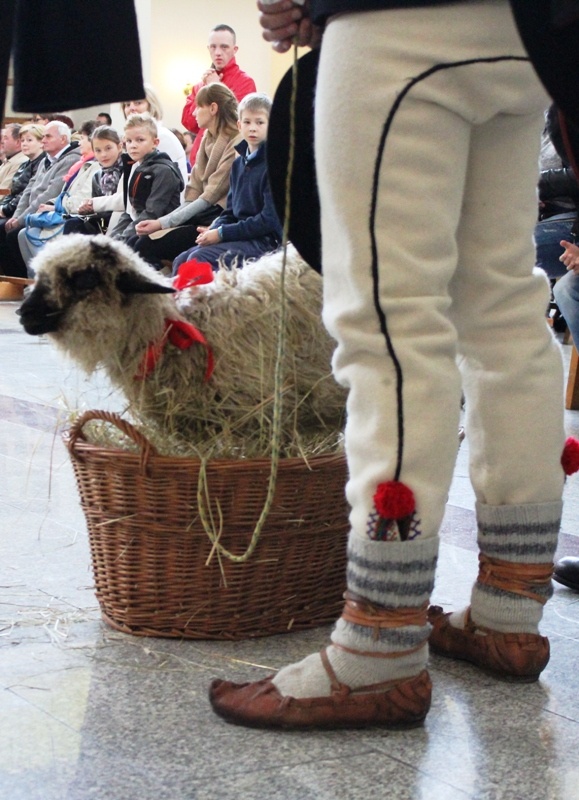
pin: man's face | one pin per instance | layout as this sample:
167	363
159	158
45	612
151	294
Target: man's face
53	141
10	146
221	48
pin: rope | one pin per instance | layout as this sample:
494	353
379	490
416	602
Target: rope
202	491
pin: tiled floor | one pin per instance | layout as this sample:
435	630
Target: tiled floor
86	712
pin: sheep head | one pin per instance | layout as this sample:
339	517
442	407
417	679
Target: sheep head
84	286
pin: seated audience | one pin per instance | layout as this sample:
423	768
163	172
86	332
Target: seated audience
168	142
104	119
31	144
152	182
46	184
249	226
107	148
206	193
77	187
13	155
558	198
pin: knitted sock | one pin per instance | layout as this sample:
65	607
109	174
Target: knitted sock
525	534
392	575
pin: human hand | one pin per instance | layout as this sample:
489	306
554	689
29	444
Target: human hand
570	256
207	236
86	207
147	226
284	21
12	224
45	207
211	76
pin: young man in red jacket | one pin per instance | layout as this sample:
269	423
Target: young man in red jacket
222	49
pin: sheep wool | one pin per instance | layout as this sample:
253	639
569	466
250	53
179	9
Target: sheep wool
104	306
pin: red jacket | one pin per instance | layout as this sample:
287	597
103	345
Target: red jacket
235	79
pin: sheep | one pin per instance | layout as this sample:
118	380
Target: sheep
105	307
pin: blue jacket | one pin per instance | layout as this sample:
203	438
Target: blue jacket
250	213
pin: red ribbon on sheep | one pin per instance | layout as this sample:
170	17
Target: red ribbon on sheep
180	334
192	273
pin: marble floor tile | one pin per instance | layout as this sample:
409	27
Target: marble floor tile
88	712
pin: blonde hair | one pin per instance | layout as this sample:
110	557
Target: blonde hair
256	101
33	129
145	121
155	108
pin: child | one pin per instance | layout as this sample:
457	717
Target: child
107	148
249	226
206	193
152	182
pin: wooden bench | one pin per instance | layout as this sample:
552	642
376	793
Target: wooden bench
572	393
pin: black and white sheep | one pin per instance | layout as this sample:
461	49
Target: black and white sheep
99	302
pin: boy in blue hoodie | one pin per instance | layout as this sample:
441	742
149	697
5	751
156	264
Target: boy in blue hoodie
249	226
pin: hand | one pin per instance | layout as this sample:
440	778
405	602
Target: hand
12	224
86	207
45	207
282	22
570	257
147	226
207	236
211	76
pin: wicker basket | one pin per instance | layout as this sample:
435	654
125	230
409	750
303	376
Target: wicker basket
149	550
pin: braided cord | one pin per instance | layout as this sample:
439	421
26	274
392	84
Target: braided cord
202	491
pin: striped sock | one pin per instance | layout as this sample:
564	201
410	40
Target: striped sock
392	575
525	534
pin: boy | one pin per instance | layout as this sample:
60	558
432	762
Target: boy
249	226
152	183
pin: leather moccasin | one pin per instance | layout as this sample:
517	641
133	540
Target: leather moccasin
567	572
396	704
511	656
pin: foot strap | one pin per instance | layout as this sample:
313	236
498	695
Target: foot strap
514	577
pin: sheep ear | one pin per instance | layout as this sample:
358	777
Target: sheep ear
131	283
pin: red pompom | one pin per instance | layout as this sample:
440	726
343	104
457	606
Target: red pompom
570	457
193	273
394	500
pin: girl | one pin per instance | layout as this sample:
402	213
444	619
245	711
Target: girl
206	194
107	148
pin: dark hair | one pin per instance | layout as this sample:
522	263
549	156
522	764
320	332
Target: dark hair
226	104
179	136
14	129
223	27
88	127
63	118
106	132
109	119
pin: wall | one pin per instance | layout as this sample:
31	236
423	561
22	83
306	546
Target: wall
178	47
174	51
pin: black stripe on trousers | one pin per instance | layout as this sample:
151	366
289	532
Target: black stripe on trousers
375	274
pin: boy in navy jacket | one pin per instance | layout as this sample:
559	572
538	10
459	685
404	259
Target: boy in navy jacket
249	226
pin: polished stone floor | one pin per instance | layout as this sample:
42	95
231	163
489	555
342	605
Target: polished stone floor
87	712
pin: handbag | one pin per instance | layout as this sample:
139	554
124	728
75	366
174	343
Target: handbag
44	225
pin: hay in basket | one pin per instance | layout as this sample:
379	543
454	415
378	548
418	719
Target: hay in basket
228	529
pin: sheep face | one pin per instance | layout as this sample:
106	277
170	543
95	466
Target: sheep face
76	278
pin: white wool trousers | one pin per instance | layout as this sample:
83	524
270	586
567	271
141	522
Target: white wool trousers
428	125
